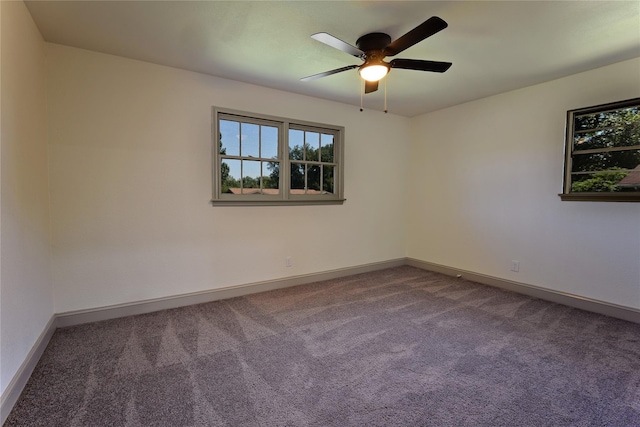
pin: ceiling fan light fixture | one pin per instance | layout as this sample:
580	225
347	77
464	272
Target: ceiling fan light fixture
373	73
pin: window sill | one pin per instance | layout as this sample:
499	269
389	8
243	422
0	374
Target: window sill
276	202
600	197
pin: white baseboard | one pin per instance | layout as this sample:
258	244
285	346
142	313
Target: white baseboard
19	381
111	312
583	303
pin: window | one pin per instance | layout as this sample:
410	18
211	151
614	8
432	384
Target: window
602	153
264	160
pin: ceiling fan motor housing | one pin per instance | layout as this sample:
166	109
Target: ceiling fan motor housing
373	41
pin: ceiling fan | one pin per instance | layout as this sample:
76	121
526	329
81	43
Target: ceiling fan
372	48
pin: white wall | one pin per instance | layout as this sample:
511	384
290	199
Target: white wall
130	146
484	184
26	303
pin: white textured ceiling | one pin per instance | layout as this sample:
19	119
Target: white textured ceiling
494	46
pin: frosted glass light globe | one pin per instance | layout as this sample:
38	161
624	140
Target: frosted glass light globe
373	73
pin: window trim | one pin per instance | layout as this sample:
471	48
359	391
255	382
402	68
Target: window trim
284	198
567	194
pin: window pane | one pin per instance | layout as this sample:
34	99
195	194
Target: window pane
327	179
269	142
230	176
326	148
627	159
297	178
296	142
271	177
312	145
250	146
229	138
313	179
606	181
615	137
250	175
605	119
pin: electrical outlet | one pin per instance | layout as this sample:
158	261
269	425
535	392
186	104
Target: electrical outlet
287	261
515	265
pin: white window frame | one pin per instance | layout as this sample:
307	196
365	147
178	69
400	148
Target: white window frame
284	197
570	151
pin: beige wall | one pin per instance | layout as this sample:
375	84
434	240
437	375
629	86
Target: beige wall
25	288
130	146
484	182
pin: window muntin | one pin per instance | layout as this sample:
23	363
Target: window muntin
602	159
270	160
311	156
248	156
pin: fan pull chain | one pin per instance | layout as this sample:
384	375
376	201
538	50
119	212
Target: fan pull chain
385	95
361	92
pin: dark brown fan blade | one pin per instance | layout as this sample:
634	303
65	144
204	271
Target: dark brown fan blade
370	86
421	32
420	65
328	73
335	42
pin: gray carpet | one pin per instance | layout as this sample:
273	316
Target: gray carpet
397	347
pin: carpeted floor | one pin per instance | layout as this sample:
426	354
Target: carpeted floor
397	347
